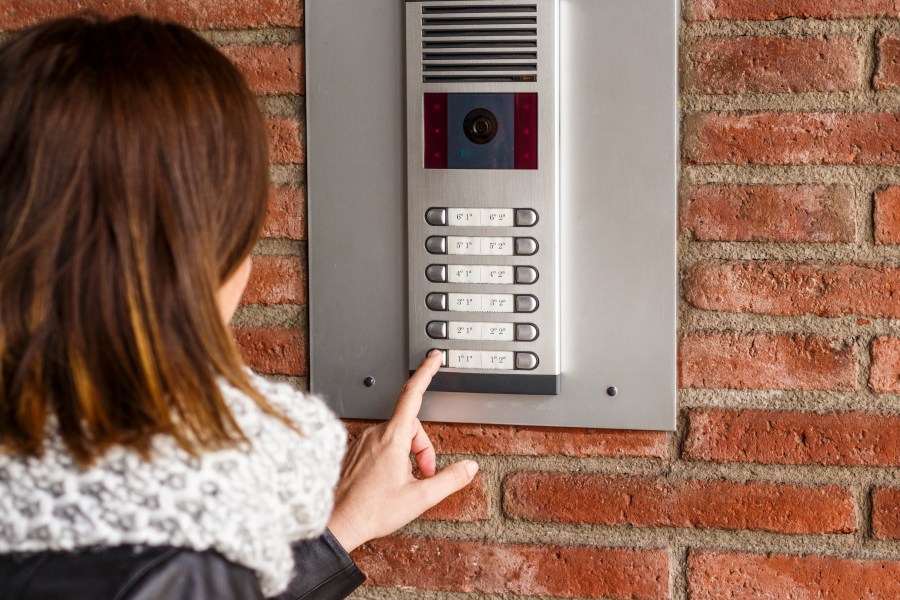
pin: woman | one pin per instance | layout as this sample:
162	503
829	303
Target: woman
140	458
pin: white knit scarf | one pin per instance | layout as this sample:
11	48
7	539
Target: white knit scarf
248	504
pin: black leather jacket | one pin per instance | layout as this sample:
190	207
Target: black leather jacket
323	571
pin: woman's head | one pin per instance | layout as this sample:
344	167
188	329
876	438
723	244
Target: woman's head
133	184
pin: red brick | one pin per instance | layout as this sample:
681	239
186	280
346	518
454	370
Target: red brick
887	216
765	362
792	289
793	438
588	499
771	138
886	514
276	280
459	438
770	10
770	213
888	74
273	350
884	376
491	568
269	69
286	144
725	576
286	217
202	14
737	65
471	503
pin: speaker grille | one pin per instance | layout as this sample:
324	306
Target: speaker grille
479	42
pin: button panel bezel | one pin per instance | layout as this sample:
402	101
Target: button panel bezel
483	191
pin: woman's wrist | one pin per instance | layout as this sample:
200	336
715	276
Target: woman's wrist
345	533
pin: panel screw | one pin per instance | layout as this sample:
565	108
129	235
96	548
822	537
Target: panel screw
611	391
369	381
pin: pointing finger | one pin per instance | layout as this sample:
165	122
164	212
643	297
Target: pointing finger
410	400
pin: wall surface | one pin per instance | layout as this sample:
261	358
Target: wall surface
783	479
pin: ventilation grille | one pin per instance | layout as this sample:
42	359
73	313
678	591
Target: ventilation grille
479	43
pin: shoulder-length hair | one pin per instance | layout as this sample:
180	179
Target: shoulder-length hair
133	183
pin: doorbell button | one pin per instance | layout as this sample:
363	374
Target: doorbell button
525	332
436	217
526	361
436	301
525	217
526	275
436	273
437	330
525	303
526	246
436	244
443	355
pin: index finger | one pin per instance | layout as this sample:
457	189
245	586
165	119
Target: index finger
410	400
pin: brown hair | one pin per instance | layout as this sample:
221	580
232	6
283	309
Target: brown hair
133	182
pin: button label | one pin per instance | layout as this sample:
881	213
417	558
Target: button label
480	217
495	360
475	330
499	303
491	274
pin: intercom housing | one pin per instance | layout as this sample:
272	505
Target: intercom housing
495	179
482	194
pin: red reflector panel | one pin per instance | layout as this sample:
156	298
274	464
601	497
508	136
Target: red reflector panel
435	131
526	124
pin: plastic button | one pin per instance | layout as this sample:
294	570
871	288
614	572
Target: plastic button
526	361
525	217
526	332
525	303
526	275
436	244
436	216
436	301
443	355
437	330
436	273
526	246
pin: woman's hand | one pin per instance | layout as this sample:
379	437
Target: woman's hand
378	493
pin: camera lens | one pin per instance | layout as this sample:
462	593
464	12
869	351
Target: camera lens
480	126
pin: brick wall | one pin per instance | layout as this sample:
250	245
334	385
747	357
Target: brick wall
783	479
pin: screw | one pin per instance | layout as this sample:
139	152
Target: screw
369	381
611	391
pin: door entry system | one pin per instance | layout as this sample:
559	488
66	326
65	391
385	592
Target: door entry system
495	179
483	194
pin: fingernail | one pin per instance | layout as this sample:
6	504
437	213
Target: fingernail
471	468
434	353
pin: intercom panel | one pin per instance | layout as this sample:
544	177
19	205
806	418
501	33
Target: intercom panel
482	194
496	179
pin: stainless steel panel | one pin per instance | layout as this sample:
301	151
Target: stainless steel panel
356	181
618	152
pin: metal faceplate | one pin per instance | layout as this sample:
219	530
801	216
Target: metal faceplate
617	216
484	58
